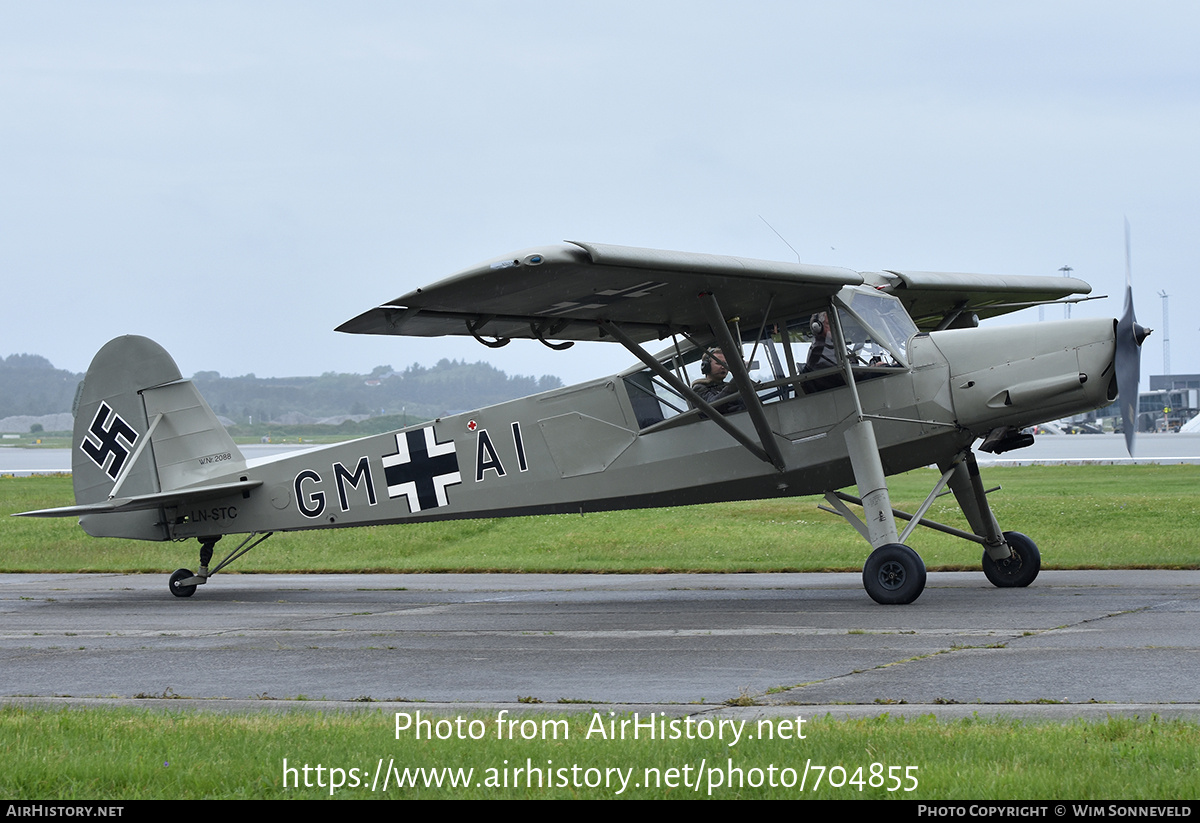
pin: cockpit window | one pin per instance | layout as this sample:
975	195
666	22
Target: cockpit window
877	327
654	401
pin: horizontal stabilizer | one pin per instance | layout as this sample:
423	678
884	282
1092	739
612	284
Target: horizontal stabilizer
141	502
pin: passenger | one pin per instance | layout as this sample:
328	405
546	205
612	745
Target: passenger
822	354
712	387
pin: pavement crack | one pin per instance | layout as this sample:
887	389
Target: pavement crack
957	647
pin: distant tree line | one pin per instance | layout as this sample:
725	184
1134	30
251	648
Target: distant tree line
30	385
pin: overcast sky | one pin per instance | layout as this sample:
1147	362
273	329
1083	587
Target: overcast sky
236	179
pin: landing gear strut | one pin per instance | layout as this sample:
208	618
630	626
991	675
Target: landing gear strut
1010	560
206	550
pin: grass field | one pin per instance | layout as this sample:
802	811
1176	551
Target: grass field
178	755
1103	517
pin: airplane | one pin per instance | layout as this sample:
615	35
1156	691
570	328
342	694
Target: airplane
863	375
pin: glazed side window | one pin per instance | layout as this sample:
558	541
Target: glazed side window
652	399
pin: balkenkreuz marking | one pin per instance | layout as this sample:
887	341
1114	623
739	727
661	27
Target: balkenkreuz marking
421	469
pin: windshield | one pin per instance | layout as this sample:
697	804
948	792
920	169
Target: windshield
876	326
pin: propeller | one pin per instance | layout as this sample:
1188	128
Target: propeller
1128	356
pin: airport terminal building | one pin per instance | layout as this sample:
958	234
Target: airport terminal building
1172	401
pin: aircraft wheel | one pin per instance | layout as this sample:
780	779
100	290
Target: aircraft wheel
178	590
894	574
1018	570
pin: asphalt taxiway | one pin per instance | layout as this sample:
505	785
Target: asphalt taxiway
1075	642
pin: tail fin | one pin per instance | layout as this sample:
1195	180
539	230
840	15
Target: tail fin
142	431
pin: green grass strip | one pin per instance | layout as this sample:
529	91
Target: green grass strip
1099	517
178	755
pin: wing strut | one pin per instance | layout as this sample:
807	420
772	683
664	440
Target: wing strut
685	390
952	315
737	368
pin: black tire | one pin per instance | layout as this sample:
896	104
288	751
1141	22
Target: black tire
1017	571
894	575
178	590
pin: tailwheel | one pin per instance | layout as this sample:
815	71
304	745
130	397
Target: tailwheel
894	574
177	579
1018	570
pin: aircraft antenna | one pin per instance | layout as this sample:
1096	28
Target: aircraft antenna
1166	332
781	237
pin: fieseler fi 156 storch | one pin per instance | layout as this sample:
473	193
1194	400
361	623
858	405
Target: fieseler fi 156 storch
863	375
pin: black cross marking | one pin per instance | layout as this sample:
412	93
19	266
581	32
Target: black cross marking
420	469
606	297
105	441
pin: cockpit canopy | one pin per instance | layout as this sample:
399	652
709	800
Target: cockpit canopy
786	359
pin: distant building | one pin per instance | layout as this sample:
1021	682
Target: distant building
1183	397
1175	381
1173	400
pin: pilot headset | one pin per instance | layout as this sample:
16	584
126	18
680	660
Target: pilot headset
707	361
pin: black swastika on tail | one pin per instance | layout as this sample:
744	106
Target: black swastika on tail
104	442
421	469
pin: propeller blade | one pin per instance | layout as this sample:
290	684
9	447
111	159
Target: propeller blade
1128	356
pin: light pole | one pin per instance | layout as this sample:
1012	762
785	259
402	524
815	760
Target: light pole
1066	272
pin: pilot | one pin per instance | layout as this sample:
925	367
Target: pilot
821	354
712	387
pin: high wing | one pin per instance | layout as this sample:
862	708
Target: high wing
937	299
566	292
562	292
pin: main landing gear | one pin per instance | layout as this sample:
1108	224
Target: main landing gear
183	582
894	574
